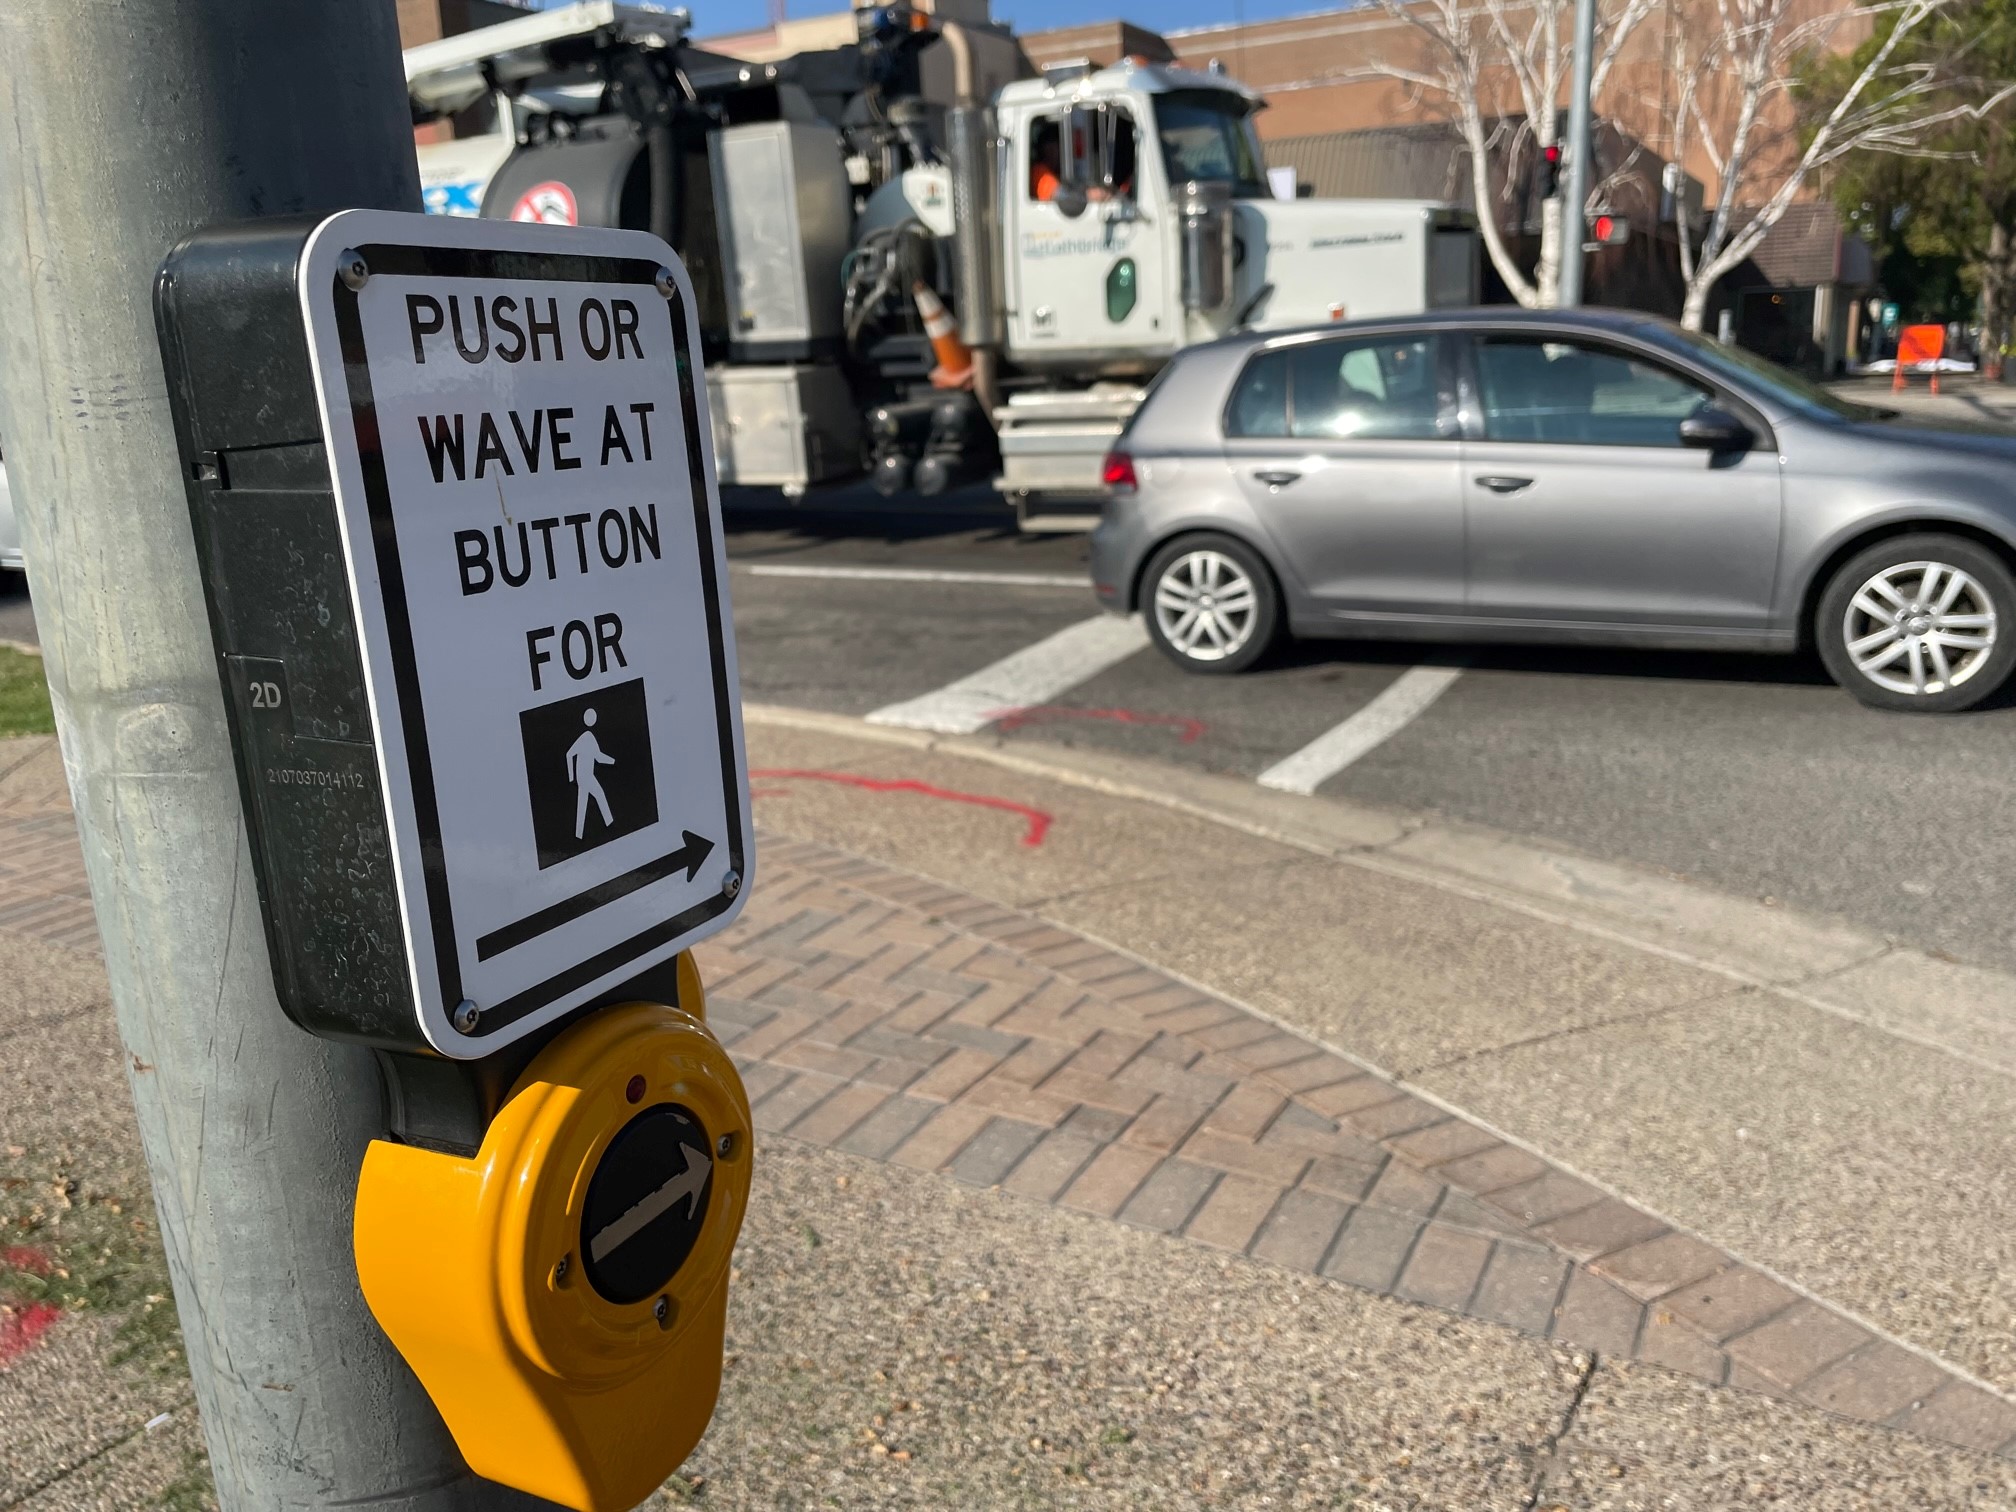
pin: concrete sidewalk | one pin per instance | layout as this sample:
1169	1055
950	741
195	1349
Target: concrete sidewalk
1961	396
1040	1223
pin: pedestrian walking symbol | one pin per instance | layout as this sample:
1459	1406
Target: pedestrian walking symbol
588	770
582	758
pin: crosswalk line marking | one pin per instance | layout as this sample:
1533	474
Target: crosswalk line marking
1035	674
1408	696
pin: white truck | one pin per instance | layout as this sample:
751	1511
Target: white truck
1083	226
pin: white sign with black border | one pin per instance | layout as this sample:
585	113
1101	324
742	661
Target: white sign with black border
519	441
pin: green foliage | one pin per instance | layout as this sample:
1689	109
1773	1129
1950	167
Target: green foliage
1931	219
24	695
192	1490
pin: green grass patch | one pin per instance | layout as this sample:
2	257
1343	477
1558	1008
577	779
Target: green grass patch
88	1252
24	695
192	1490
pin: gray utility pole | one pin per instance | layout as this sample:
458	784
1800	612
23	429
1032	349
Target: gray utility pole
128	126
1580	149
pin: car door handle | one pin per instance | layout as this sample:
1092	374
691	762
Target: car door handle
1504	485
1276	477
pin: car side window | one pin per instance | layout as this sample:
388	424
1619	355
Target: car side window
1581	394
1260	403
1373	389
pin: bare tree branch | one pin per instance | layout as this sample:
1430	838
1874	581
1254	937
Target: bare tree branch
1524	49
1891	104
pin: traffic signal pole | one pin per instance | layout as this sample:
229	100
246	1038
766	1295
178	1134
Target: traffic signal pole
1580	150
127	127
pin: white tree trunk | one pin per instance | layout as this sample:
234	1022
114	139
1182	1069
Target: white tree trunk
1547	276
1694	311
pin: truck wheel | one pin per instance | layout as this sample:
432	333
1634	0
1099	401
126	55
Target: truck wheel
1211	604
1920	623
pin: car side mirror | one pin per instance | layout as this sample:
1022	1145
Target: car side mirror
1716	430
1070	200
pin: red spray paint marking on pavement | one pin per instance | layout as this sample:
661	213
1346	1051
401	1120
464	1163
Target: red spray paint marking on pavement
1014	719
23	1324
26	1257
1038	821
21	1328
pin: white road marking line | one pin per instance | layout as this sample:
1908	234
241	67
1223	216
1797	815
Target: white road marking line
918	575
1035	674
1386	716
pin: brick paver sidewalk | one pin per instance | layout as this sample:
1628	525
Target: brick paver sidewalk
885	1015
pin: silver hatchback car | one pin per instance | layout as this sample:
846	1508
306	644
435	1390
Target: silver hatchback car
1577	477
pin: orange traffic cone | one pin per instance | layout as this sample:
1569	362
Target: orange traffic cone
955	360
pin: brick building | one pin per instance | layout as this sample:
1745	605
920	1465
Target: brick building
431	20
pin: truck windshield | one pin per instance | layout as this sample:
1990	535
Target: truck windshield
1205	137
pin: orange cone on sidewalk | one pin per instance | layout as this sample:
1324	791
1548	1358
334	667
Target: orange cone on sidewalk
955	360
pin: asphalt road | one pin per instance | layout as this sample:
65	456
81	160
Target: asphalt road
1753	775
1749	774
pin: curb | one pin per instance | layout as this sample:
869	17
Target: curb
1967	1012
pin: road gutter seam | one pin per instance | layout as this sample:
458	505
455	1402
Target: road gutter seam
1550	1446
186	1400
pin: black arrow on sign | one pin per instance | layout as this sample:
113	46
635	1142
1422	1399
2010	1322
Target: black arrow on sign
689	858
690	855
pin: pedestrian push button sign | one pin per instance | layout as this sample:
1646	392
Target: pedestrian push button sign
518	442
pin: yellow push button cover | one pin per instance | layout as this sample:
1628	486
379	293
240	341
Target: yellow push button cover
562	1294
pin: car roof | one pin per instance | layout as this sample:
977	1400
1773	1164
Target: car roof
1583	318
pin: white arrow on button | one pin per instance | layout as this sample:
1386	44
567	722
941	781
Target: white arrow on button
689	1184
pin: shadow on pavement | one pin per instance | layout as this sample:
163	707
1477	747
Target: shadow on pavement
859	514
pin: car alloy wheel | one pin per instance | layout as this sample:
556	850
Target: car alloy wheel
1206	606
1919	629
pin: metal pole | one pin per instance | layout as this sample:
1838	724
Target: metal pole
129	125
1579	149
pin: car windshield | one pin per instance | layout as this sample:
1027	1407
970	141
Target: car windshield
1803	395
1205	137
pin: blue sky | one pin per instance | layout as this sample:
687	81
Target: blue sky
712	17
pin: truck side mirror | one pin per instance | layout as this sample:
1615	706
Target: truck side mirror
1070	200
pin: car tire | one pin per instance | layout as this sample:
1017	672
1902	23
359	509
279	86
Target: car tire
1924	624
1211	604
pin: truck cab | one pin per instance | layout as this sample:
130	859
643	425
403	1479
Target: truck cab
1092	274
1137	219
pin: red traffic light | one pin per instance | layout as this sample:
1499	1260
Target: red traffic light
1550	170
1609	230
